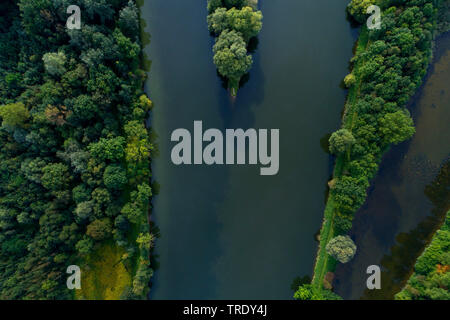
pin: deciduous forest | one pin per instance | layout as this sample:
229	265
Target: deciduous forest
75	151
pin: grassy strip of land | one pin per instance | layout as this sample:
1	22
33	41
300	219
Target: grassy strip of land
324	262
389	65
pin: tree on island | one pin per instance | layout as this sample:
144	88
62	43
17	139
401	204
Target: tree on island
231	58
245	21
234	22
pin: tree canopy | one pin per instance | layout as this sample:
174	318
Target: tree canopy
74	146
234	22
342	248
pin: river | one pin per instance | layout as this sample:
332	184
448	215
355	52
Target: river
225	231
410	195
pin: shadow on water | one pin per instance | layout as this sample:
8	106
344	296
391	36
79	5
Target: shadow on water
404	205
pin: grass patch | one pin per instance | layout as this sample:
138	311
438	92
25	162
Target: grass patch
104	276
326	234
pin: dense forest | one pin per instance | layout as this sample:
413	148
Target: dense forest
234	23
431	278
387	68
75	151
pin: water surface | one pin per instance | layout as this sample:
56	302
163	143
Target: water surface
227	232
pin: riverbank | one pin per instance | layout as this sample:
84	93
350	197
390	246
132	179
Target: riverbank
370	102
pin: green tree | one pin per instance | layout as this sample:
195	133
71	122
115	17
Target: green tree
213	5
341	141
55	176
99	229
396	127
349	80
14	115
112	149
115	177
32	169
133	212
358	9
235	3
310	292
145	240
245	21
84	107
84	209
81	193
349	193
85	246
231	57
342	248
343	222
55	63
129	20
143	275
218	21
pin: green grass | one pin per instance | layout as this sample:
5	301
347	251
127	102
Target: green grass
326	234
104	275
324	262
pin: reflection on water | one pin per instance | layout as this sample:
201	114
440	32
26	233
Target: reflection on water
404	206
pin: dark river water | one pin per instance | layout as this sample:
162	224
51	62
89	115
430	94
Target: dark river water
410	195
225	231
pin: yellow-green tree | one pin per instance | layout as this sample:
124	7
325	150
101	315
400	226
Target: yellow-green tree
14	115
